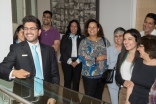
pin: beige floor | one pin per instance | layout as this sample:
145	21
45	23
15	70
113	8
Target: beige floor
105	96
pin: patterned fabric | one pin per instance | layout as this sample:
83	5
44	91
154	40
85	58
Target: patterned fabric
152	94
88	51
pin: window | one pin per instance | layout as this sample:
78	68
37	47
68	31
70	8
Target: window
21	8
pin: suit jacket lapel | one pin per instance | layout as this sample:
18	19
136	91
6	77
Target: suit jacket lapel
26	48
43	55
69	40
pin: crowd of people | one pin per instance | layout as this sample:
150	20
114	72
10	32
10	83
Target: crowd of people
133	56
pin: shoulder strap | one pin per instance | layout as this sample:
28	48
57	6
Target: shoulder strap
104	41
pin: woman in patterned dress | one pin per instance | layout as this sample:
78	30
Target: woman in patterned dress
92	54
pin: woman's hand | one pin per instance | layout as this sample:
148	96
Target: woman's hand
101	57
74	64
128	83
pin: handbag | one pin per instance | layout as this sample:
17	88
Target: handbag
107	76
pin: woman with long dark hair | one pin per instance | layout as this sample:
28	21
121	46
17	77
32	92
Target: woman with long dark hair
126	61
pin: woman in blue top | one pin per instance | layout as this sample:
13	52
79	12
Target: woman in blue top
92	54
18	35
112	55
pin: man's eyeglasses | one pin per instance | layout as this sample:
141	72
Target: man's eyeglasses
32	28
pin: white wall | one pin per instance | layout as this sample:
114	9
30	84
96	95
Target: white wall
116	13
5	27
5	37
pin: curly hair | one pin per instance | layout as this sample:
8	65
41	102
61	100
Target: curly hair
99	33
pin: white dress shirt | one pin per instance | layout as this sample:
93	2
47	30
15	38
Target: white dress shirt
152	33
74	49
126	70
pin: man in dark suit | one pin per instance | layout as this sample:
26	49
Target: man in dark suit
20	56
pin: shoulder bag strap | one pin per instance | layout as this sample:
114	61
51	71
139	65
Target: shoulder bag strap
104	41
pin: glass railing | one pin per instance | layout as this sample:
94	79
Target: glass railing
7	97
52	93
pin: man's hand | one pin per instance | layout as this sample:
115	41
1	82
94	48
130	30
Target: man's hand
20	73
56	45
51	101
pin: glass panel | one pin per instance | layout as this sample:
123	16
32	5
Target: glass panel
7	97
31	7
25	88
17	11
14	11
19	7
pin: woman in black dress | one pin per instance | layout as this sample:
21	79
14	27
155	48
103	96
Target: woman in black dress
144	72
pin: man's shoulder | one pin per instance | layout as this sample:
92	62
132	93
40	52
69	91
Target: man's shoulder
46	46
19	44
153	32
142	33
54	29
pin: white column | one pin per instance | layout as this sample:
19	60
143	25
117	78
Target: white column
6	36
133	14
6	33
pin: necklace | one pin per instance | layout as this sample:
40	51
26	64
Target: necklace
95	39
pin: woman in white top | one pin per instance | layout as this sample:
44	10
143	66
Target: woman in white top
112	55
126	61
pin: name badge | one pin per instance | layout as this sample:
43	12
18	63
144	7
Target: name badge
23	55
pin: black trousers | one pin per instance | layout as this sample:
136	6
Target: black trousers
93	88
71	81
71	76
